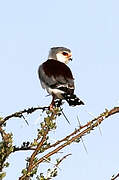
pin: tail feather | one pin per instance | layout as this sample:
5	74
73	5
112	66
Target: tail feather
72	99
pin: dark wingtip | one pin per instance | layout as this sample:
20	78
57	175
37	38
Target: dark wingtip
82	103
72	99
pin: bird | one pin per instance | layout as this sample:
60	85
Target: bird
57	78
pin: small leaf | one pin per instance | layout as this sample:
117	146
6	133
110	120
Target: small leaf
2	175
24	171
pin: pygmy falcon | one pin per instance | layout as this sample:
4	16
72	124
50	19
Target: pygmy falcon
56	77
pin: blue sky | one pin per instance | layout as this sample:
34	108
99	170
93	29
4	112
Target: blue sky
91	30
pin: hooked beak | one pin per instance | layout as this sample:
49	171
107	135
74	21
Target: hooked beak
70	59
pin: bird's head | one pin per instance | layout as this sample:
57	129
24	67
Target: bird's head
61	54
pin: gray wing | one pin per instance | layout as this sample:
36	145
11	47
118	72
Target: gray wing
45	80
55	82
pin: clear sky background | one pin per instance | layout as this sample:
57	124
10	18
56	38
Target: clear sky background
90	28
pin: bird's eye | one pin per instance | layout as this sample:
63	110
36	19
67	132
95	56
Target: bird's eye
65	53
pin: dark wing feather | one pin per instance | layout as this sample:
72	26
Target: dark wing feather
56	74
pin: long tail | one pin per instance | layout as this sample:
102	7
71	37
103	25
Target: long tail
72	99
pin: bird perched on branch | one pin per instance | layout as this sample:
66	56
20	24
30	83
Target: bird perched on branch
56	77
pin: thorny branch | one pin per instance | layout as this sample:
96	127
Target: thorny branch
19	114
115	177
77	134
58	145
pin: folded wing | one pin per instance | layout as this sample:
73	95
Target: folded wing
56	75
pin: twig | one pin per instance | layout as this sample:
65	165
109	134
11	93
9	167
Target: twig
23	149
19	114
64	157
50	162
56	166
115	177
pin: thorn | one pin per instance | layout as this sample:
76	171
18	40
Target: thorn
95	118
99	129
65	116
25	120
81	137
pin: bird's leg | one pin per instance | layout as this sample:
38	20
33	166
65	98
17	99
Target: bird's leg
52	103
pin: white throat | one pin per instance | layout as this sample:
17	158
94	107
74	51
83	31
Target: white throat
61	58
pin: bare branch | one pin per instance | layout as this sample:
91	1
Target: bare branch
19	114
64	157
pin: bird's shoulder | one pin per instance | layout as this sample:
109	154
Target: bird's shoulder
54	68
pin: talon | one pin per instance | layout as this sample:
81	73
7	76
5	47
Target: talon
51	107
52	104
